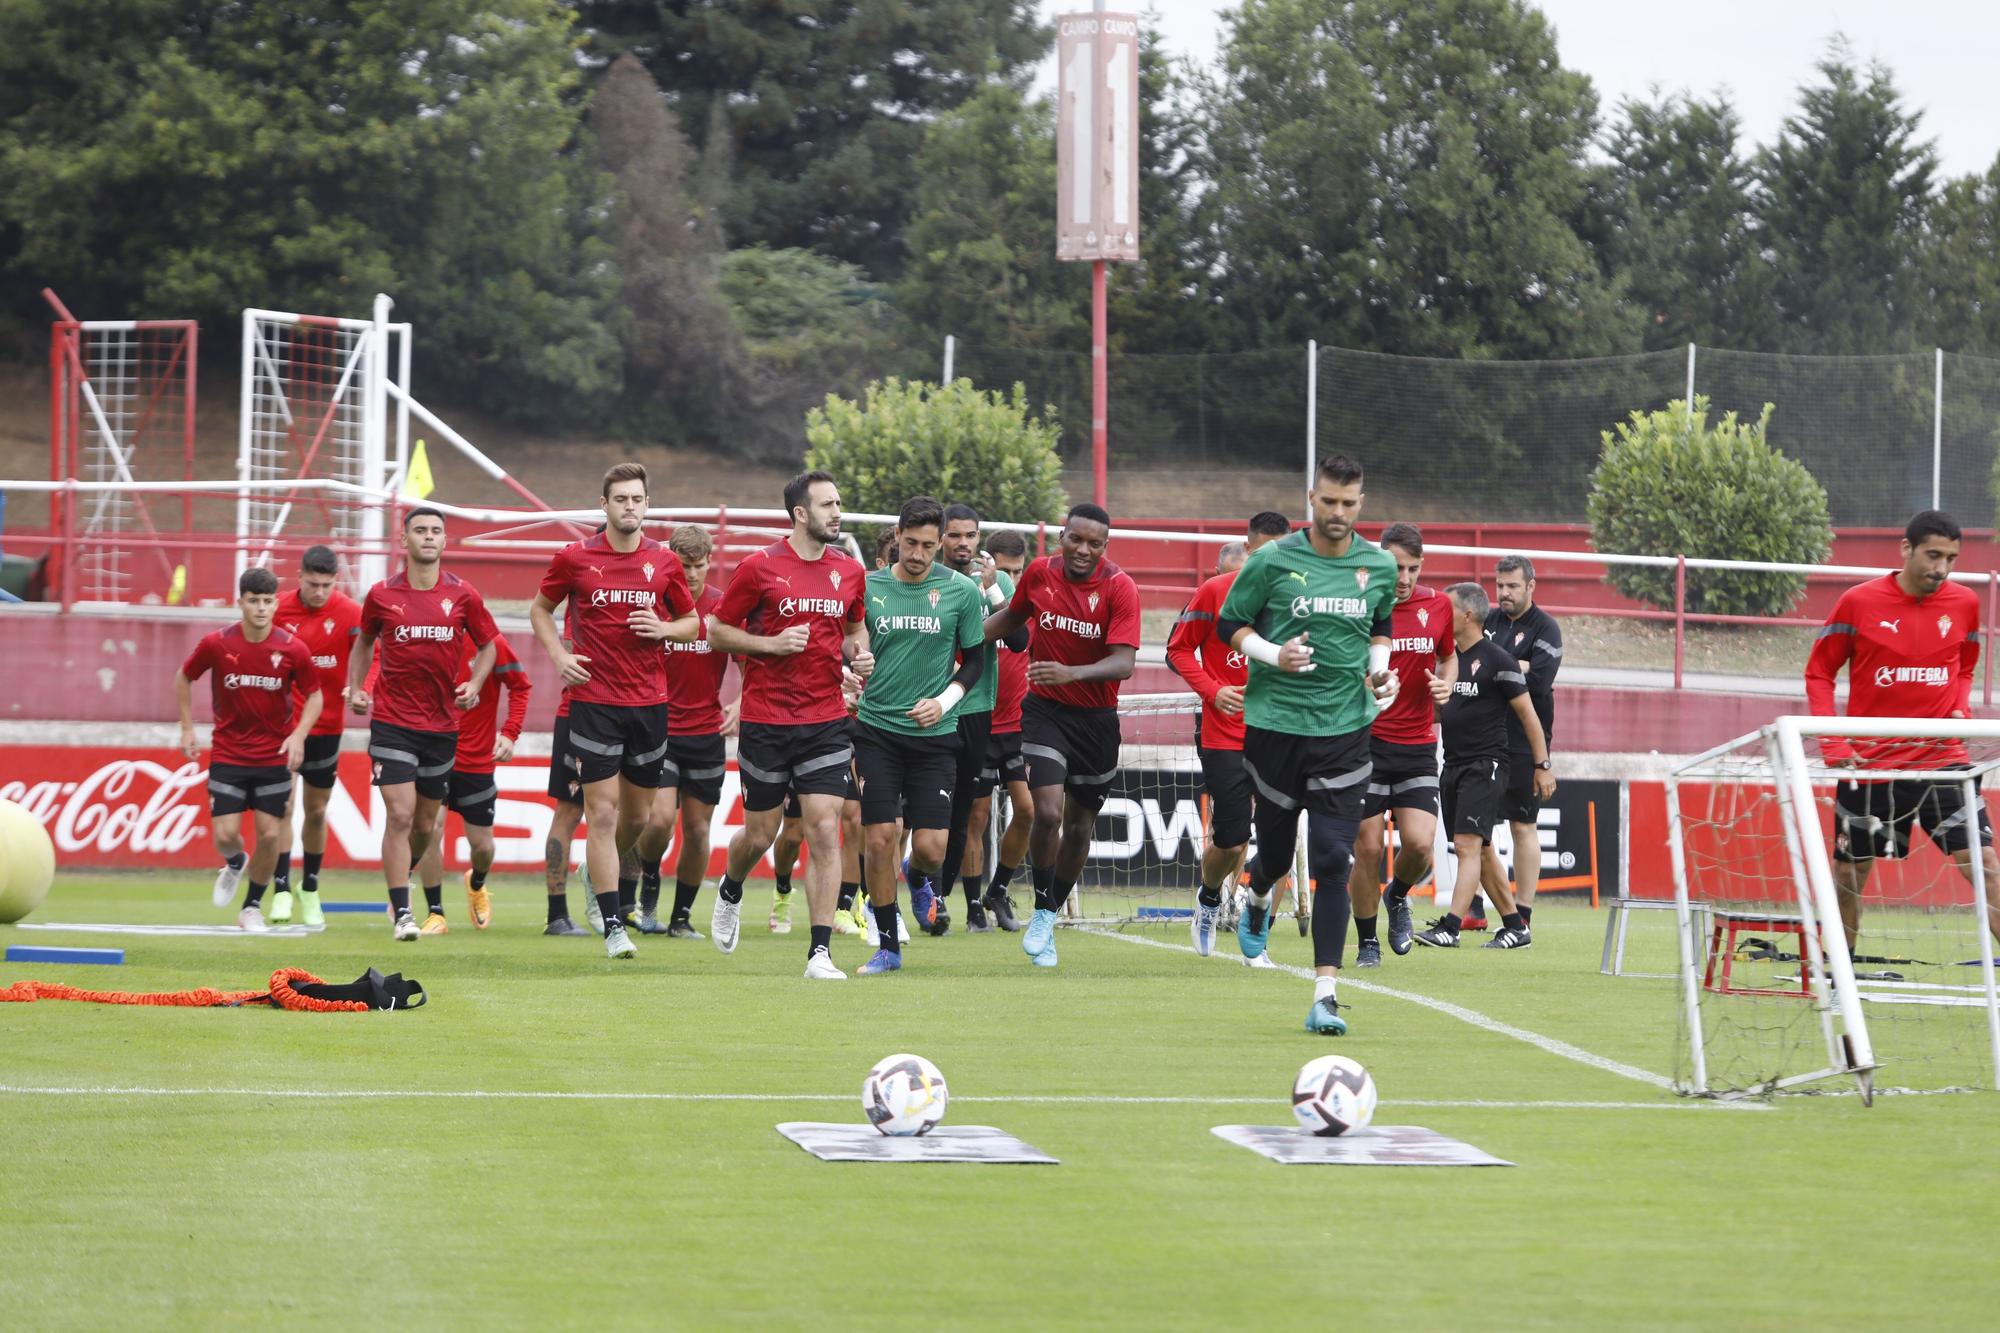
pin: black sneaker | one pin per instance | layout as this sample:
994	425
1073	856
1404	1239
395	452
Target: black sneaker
1368	954
1509	938
681	929
1398	905
1001	906
562	925
1435	936
975	920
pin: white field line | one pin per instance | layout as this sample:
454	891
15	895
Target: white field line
1553	1045
537	1095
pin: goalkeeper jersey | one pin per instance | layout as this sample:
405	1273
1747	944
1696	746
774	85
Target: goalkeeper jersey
1339	602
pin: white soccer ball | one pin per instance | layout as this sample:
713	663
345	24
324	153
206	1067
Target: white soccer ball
904	1095
1332	1095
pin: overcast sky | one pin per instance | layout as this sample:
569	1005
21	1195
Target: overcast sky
1942	53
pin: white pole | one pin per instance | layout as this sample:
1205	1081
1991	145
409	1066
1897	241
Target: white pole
1937	432
1979	932
1690	380
403	400
950	347
1813	960
1684	932
245	427
1312	411
374	564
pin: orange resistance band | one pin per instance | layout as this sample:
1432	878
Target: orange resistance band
280	996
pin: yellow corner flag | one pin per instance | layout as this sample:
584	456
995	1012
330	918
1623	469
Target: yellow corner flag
417	482
177	589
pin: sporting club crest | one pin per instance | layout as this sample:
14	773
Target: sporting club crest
933	599
1424	616
277	659
327	625
1361	580
1092	600
647	570
1944	624
833	577
446	604
1476	665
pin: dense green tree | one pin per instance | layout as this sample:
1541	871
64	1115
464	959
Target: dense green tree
1842	199
1958	265
170	157
825	101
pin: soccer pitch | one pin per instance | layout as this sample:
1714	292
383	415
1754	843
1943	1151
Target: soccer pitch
558	1140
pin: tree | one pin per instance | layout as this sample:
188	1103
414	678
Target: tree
1842	199
1958	265
189	159
826	101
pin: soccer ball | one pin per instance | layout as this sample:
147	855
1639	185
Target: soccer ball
1332	1095
904	1095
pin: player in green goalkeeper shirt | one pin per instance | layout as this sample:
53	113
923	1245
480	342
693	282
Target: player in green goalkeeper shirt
927	626
1312	612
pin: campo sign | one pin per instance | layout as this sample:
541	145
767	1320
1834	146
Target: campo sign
1097	136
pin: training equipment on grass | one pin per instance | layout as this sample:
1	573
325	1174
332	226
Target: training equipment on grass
1376	1145
1333	1095
904	1095
48	953
1770	996
949	1143
357	908
291	988
27	862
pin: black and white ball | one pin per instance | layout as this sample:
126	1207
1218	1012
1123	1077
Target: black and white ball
1332	1095
904	1095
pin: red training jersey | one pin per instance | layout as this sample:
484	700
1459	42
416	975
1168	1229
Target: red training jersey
1012	689
778	590
1905	657
603	586
1208	664
1420	638
694	677
480	725
252	692
416	644
1077	624
329	636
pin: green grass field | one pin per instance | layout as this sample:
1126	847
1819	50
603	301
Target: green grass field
291	1166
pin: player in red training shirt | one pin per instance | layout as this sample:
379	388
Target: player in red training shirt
626	595
1217	672
484	742
1005	768
417	617
804	596
1404	740
1909	641
1083	617
259	738
327	619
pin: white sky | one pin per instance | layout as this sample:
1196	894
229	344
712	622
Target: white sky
1941	52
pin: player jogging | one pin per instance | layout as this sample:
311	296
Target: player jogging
1404	749
259	738
1083	617
417	617
1005	767
1490	688
1532	637
923	618
626	595
484	742
1909	641
804	595
1312	612
327	619
1217	672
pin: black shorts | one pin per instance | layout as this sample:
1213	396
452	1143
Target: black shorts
1327	775
1519	804
695	764
563	784
321	768
473	796
1406	778
811	759
905	777
1228	785
973	731
401	755
232	789
1004	763
613	740
1473	793
1873	819
1072	748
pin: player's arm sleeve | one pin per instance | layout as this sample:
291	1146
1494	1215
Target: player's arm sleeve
970	668
1545	655
1195	627
1833	649
197	661
1512	684
371	616
1023	604
1245	601
558	578
479	624
1123	631
739	599
972	621
513	678
680	597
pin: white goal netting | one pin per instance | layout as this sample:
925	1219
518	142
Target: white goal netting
1771	996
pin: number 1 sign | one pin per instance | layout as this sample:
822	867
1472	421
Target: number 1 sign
1097	145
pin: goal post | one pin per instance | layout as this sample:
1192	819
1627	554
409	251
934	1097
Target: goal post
1770	996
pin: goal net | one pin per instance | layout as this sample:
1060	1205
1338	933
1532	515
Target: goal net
1765	835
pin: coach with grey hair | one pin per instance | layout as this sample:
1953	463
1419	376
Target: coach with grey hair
1531	637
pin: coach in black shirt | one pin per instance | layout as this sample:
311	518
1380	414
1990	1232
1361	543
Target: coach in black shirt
1531	637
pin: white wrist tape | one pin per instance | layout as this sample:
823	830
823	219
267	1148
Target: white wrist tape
1260	649
952	694
994	597
1378	658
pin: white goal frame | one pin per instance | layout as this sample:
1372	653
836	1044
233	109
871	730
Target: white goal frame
1843	1022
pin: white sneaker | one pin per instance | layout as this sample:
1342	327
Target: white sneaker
252	920
618	945
1261	960
723	923
819	967
1202	926
902	928
227	881
591	914
406	928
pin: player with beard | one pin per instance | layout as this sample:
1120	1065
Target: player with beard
327	620
1005	768
417	617
805	596
1312	612
1533	638
1405	752
1083	614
